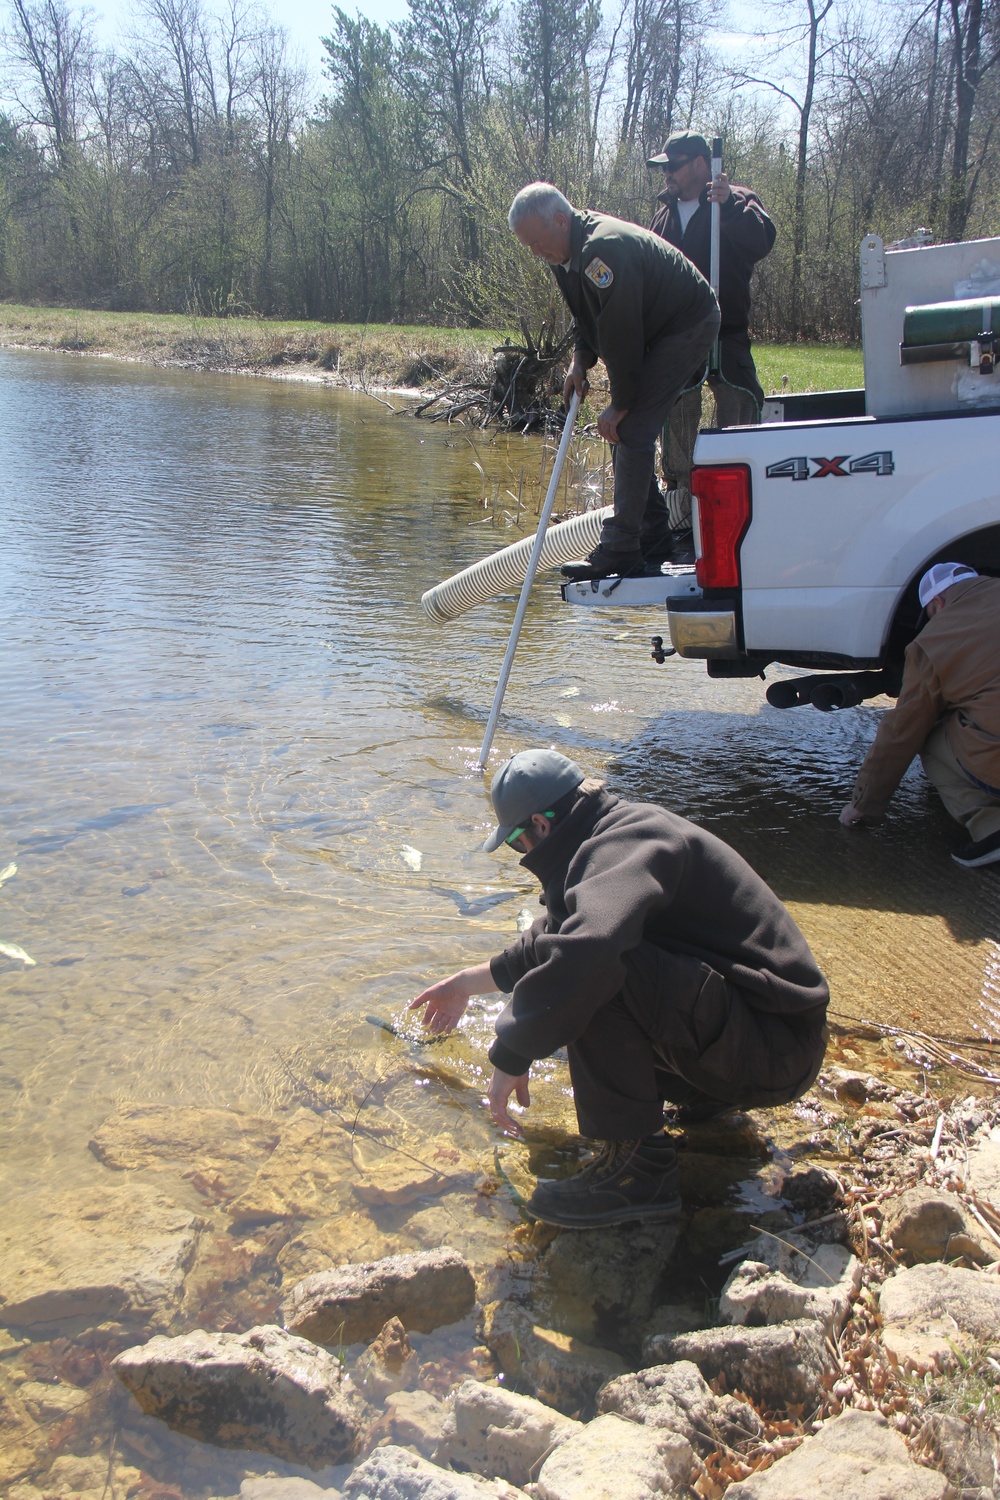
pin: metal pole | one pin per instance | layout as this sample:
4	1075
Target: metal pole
716	244
529	578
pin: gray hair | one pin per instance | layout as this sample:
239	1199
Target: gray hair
539	200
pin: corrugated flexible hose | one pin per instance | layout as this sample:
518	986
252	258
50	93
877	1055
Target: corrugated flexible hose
506	569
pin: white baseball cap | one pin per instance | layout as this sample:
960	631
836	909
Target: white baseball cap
941	577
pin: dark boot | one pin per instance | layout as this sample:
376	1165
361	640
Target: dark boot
627	1181
602	563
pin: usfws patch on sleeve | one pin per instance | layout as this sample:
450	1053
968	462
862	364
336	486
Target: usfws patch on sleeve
601	275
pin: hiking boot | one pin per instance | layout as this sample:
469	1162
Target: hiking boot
625	1182
602	563
982	852
696	1112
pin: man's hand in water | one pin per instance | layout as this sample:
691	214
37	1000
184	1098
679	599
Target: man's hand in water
446	1001
502	1085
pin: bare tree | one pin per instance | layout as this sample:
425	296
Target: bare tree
49	49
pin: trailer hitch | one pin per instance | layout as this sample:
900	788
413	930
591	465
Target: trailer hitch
660	652
984	350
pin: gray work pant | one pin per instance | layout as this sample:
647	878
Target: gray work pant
738	399
667	367
974	807
681	1031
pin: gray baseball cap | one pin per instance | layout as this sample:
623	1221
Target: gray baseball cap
529	782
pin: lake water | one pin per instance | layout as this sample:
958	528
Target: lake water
238	780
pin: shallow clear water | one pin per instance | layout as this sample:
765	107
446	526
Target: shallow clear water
227	726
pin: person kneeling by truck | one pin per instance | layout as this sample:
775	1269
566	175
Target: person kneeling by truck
664	964
948	713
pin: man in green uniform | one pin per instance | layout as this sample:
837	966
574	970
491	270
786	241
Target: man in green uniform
649	314
664	964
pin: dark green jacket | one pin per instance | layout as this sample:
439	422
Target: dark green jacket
626	288
616	874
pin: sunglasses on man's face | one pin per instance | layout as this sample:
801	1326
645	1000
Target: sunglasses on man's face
677	163
512	838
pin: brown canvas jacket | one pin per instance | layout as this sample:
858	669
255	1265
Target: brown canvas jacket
952	671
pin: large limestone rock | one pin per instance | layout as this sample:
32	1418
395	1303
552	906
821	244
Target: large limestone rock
776	1367
500	1434
424	1291
777	1284
559	1369
264	1389
596	1274
677	1397
927	1224
983	1174
855	1457
119	1251
611	1459
396	1474
929	1311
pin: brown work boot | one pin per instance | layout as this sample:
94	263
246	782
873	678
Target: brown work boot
627	1181
603	563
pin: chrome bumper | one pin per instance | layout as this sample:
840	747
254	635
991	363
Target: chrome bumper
704	628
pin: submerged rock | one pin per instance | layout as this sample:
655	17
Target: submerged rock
264	1389
304	1177
677	1397
500	1434
222	1145
267	1487
396	1474
413	1419
344	1306
611	1459
111	1252
854	1457
929	1311
390	1363
777	1367
560	1370
22	1441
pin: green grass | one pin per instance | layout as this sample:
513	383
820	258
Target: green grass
809	367
382	353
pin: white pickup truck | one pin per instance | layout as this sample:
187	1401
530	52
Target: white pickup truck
812	530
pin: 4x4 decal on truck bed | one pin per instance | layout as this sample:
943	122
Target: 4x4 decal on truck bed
798	468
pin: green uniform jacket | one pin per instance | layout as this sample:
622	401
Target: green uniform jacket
626	288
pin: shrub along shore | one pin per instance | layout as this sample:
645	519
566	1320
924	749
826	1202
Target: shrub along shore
349	354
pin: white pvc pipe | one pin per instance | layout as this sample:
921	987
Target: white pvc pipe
505	570
716	242
529	577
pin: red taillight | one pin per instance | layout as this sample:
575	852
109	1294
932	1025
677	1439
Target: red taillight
723	495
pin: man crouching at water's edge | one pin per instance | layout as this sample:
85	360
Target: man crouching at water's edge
664	964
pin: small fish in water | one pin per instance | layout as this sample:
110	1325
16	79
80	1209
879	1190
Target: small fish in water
477	905
412	858
421	1039
524	919
7	873
11	950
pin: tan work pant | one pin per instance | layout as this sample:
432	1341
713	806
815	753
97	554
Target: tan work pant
968	804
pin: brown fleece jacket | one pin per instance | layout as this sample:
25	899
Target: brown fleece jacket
616	874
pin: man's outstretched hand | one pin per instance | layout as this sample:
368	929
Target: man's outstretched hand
447	1000
849	816
502	1085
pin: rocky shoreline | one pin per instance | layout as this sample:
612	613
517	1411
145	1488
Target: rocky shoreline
278	1345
